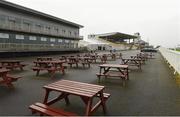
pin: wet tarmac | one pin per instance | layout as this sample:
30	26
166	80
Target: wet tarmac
152	91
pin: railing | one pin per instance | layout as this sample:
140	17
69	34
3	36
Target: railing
173	58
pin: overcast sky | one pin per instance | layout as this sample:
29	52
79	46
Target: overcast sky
158	21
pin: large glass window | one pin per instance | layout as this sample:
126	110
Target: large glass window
20	37
4	35
60	40
32	38
52	40
43	39
66	41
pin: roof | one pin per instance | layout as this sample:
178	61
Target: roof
116	36
9	5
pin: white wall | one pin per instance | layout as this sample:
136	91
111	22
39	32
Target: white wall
173	58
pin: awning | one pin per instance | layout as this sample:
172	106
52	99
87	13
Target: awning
116	36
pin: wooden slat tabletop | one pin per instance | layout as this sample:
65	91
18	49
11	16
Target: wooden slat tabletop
76	88
4	70
114	65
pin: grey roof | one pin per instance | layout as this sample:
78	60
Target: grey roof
6	4
116	36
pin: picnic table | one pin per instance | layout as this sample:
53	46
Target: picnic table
112	56
12	64
50	66
44	58
7	79
79	60
87	92
132	62
143	59
113	70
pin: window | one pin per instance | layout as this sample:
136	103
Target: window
12	23
43	39
56	30
38	27
60	40
20	37
66	41
26	25
2	19
4	35
69	32
75	33
48	29
52	45
32	38
64	31
52	40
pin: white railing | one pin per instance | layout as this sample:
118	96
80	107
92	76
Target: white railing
173	58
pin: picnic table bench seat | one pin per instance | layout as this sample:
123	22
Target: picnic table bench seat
85	63
14	66
49	69
72	62
49	111
105	95
13	78
112	74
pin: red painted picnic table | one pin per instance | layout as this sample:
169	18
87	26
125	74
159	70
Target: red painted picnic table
87	92
50	66
113	70
79	60
6	79
132	62
44	58
12	64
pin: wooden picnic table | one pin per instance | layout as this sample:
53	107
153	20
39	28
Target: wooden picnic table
87	92
132	62
112	56
113	70
50	66
44	58
6	79
12	64
79	60
143	59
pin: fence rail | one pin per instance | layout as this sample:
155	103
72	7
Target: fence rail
173	58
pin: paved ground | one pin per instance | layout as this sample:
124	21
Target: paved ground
152	91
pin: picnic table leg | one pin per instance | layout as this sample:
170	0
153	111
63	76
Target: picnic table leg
67	100
21	68
7	81
124	82
103	102
46	96
83	65
62	69
37	73
9	84
52	74
88	107
99	76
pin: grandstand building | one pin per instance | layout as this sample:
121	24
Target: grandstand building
114	41
23	30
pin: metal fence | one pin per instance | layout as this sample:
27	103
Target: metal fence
172	57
